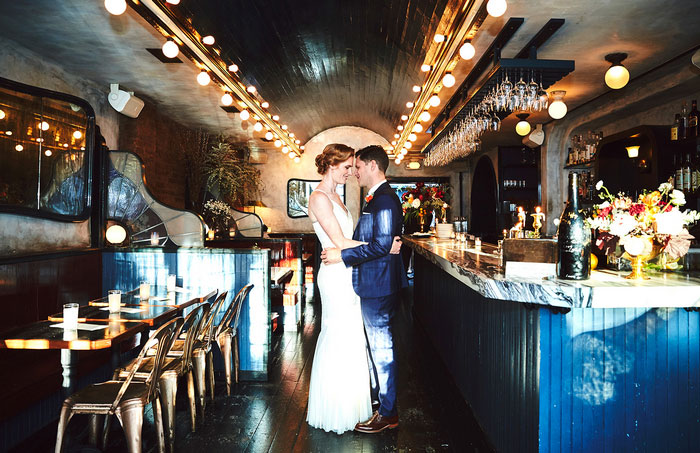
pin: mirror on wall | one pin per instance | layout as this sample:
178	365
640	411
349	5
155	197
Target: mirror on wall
298	191
45	148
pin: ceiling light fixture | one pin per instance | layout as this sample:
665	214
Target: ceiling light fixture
275	117
203	78
397	161
278	143
616	76
399	127
258	127
227	99
412	137
393	143
632	151
403	117
297	141
404	151
2	114
424	116
426	68
265	104
285	149
284	127
496	8
44	126
557	109
173	2
438	38
396	136
409	105
233	68
434	100
415	165
416	89
251	89
170	49
407	145
115	7
208	40
448	80
77	135
418	128
268	135
291	155
19	148
467	51
245	114
297	159
523	127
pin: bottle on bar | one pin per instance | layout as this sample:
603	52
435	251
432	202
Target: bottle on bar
683	129
675	127
687	174
695	173
693	117
678	167
574	241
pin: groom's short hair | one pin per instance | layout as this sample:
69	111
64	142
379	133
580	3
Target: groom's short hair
374	153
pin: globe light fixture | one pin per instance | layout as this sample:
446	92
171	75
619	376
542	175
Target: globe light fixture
2	114
297	141
632	151
496	8
268	135
403	117
115	7
616	76
448	80
416	89
284	127
426	67
203	78
297	159
233	68
44	126
251	89
467	51
291	155
170	49
409	105
48	153
399	127
77	135
438	38
434	100
397	161
208	40
285	149
412	137
408	145
227	99
557	109
404	151
396	136
19	148
115	234
244	114
523	127
278	143
258	127
173	2
418	128
265	104
275	117
424	116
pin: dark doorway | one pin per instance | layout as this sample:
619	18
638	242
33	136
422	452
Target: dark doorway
484	205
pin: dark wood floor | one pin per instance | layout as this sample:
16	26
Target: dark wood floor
270	416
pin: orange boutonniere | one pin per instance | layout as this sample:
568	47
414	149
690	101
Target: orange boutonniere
368	198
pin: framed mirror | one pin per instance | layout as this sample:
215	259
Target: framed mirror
46	142
298	191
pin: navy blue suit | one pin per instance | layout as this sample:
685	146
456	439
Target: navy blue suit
377	277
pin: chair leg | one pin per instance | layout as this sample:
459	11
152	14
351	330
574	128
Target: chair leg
168	397
132	422
158	418
66	415
225	348
210	373
105	430
93	429
191	396
199	365
236	358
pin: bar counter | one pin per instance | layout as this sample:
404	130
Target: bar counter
605	364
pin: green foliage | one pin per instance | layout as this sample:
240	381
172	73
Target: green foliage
231	172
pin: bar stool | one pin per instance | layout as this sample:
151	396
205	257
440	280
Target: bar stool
126	399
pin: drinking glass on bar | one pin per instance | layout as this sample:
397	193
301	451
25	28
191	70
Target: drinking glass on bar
144	290
172	279
115	301
70	316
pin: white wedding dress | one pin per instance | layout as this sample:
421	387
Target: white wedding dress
339	391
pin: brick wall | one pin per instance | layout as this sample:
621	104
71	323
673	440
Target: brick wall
156	139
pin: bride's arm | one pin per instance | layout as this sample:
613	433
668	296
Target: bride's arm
321	210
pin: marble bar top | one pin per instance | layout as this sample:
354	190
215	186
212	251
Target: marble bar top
481	271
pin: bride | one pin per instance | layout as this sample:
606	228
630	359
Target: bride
339	391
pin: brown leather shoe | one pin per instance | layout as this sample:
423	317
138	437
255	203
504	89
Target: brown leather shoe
377	423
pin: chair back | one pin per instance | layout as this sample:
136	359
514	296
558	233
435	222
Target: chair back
208	326
229	314
192	326
161	341
241	296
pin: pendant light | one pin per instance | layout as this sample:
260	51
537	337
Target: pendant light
448	80
227	99
616	76
557	109
523	127
203	78
496	8
115	7
467	51
170	49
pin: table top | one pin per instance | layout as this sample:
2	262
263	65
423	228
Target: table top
40	335
279	274
149	314
181	298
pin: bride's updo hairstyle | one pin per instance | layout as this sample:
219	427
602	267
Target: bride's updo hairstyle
333	154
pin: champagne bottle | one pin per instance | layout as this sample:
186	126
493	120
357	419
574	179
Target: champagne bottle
683	129
678	166
574	241
693	116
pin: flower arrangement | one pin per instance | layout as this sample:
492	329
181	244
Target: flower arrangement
423	199
654	217
218	212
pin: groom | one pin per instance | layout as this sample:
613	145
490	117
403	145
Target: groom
377	277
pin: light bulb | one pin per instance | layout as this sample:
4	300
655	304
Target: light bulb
416	89
467	51
8	132
448	80
233	68
408	145
77	135
2	114
404	151
439	38
418	128
284	127
291	155
297	141
413	165
557	109
170	49
251	89
301	147
19	148
404	117
258	127
399	127
265	104
297	159
244	115
48	153
173	2
434	100
397	161
412	137
291	134
393	143
424	116
278	143
276	117
522	128
285	149
115	234
396	136
425	67
115	7
227	99
44	126
496	8
208	40
617	76
409	105
268	135
203	78
632	151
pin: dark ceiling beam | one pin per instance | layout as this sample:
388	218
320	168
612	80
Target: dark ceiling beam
542	36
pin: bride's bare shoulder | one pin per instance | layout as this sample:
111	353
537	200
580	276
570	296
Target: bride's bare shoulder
319	205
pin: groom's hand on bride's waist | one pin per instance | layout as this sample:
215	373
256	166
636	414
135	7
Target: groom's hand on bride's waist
331	256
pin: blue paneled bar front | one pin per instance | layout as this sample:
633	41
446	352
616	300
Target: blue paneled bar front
203	269
544	377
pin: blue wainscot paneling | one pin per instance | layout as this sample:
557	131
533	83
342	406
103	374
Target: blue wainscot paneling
202	269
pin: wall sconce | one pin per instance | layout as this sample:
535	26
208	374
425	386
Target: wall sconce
632	151
523	127
616	76
115	234
557	109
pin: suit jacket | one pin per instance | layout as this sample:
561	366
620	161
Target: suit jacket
376	273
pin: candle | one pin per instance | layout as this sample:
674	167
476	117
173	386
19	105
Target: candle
210	234
115	301
70	316
154	238
144	290
171	282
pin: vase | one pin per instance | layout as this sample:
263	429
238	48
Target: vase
412	223
639	249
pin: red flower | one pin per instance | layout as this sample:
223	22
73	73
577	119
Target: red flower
420	197
368	198
605	211
637	208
